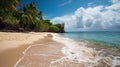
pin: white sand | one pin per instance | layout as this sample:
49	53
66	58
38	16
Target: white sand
14	40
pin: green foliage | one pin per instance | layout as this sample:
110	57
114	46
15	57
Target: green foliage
54	28
7	10
30	11
40	16
8	6
11	19
44	25
61	27
37	26
27	17
47	22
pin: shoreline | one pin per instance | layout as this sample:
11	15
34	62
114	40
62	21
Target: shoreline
50	49
95	45
42	51
89	54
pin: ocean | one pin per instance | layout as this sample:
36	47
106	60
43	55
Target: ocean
77	50
110	39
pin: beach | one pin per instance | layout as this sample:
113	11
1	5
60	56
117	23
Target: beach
60	33
12	46
31	49
52	50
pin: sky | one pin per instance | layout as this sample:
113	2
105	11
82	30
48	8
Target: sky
81	15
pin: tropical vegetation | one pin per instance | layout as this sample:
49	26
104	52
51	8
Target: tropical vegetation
17	17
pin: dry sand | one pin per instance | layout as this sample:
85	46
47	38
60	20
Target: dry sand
13	44
14	40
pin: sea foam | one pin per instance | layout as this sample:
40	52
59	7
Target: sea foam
77	52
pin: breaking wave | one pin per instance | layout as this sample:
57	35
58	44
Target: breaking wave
78	52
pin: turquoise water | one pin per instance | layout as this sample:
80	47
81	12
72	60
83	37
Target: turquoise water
111	39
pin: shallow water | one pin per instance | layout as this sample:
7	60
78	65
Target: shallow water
111	39
78	52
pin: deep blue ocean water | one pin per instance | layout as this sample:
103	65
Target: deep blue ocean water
110	39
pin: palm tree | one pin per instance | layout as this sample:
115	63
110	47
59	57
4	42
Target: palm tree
8	6
40	16
29	15
30	10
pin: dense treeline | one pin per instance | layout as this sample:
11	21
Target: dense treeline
17	17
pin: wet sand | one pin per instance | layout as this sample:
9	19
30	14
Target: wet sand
41	53
45	53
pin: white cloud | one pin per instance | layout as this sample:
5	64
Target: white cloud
115	1
92	18
90	4
65	3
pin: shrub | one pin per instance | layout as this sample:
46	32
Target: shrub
54	28
11	19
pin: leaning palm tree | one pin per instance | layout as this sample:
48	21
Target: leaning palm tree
29	15
31	11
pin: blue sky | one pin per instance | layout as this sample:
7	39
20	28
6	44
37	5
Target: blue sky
81	15
54	8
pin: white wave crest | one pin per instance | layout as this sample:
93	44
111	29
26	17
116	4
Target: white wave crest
77	52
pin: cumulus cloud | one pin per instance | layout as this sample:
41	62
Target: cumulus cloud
115	1
92	18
